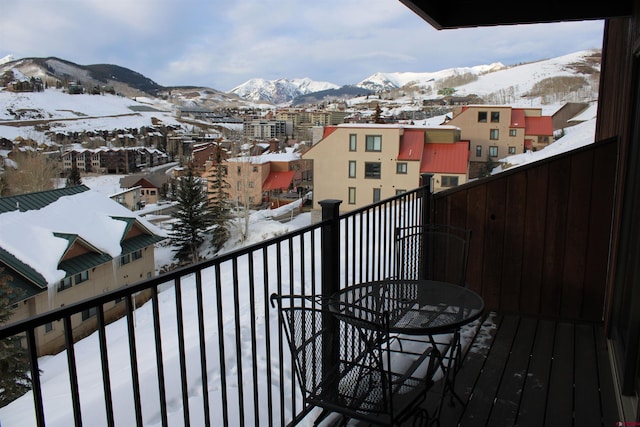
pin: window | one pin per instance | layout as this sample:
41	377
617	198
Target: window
398	191
136	255
250	184
352	142
255	169
495	117
81	277
449	181
493	151
401	168
153	192
374	143
352	168
478	150
125	259
239	170
48	327
512	150
513	132
376	195
482	116
494	134
352	195
86	314
64	284
372	170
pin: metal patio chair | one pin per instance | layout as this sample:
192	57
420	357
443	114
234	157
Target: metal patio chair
434	252
344	365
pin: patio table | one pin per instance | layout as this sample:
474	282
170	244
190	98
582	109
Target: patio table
416	308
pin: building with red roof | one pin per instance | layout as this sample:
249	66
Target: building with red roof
497	131
254	180
363	163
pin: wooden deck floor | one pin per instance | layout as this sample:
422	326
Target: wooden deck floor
522	371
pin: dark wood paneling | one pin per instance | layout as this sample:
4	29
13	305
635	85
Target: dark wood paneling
494	242
578	216
539	233
513	242
477	205
534	224
554	236
595	270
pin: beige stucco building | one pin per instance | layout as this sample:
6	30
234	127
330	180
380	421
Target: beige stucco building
80	244
497	131
363	163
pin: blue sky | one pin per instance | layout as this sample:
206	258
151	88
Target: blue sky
222	44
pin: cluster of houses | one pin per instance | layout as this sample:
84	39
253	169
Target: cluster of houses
120	160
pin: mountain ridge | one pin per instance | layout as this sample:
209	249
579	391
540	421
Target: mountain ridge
487	81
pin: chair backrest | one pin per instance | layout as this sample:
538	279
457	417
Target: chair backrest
433	251
337	357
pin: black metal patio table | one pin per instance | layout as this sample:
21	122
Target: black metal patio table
416	308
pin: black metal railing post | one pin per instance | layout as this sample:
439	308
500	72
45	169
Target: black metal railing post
330	246
426	180
426	184
330	274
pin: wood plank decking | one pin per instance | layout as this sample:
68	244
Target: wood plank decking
528	371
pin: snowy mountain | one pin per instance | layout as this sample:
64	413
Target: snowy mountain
279	91
54	71
572	77
388	81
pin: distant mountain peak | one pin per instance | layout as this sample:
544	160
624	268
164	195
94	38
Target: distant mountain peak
279	91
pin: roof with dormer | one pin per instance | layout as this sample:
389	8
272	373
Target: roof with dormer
49	235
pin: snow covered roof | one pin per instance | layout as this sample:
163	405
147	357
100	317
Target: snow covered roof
38	229
267	158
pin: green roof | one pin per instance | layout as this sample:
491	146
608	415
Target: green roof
20	289
18	266
84	262
139	242
37	200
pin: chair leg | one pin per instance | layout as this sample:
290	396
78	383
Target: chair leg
323	415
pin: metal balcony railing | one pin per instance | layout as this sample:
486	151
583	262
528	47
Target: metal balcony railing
212	321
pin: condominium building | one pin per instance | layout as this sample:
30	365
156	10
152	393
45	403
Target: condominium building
497	131
363	163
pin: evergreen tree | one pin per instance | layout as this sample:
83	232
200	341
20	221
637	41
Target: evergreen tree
219	203
377	115
15	377
74	177
192	218
488	167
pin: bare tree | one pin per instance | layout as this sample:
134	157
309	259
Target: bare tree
35	172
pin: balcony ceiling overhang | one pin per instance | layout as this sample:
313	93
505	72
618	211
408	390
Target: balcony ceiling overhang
467	13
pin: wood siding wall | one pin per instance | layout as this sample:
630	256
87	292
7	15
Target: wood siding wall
540	233
615	112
